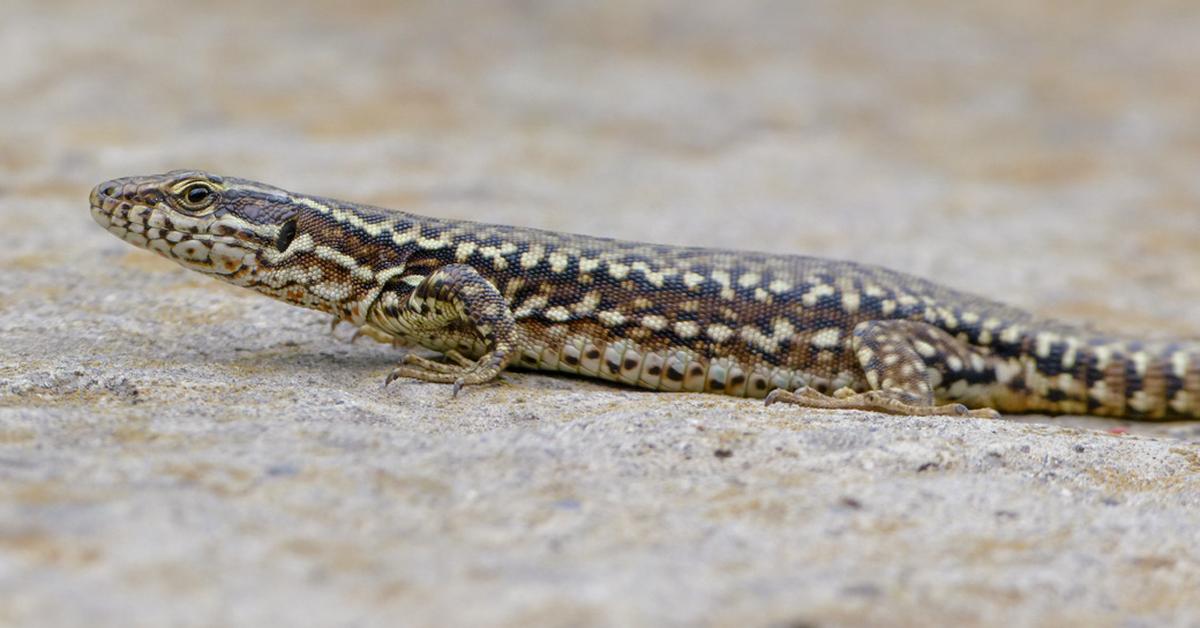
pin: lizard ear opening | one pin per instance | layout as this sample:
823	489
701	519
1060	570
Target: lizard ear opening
287	233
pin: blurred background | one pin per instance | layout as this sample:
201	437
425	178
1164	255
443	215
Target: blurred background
194	454
1045	154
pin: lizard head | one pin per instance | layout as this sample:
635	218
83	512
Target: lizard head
216	225
286	246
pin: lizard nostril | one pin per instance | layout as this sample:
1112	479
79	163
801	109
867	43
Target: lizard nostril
108	190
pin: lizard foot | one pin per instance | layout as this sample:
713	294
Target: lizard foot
874	401
465	372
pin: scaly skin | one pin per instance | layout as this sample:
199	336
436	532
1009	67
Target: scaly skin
818	333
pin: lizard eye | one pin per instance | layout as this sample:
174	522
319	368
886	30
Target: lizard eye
197	195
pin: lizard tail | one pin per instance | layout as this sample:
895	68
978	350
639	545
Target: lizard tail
1085	374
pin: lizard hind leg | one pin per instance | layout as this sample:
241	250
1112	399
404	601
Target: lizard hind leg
897	358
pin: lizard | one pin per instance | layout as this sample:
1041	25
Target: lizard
808	331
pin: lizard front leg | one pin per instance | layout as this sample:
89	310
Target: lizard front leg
453	306
897	357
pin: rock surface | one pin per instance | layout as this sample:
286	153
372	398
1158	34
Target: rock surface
178	452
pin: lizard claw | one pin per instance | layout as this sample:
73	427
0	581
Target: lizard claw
458	385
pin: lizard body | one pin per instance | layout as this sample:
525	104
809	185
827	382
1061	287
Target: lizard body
810	331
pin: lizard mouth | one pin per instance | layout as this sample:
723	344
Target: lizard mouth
137	214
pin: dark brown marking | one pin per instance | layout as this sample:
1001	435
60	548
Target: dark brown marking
287	233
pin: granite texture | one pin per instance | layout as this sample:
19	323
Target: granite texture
176	452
